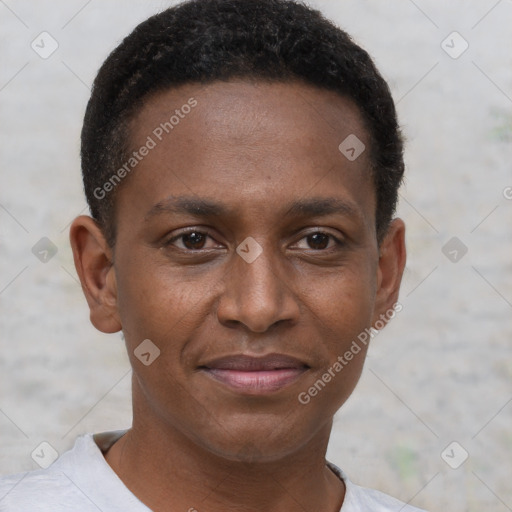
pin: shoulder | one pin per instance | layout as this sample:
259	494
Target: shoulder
63	486
376	501
79	480
41	490
362	499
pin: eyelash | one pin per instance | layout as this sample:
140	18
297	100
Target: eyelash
171	241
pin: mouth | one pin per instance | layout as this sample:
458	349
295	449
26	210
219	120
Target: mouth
255	375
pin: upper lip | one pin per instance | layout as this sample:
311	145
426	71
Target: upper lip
244	362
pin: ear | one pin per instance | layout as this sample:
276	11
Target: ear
392	256
94	265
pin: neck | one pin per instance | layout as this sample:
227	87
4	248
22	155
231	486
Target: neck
166	470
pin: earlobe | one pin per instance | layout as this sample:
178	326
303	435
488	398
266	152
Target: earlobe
93	263
392	258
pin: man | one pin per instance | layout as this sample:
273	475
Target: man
241	160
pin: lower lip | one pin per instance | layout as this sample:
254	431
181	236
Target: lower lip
256	382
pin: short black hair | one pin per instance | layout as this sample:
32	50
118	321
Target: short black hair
202	41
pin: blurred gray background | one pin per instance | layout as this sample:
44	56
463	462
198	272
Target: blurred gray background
440	373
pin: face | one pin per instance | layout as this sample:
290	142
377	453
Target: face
246	253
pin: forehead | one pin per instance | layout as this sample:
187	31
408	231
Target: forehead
244	111
249	143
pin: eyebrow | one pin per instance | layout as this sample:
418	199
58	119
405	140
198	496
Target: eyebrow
321	206
311	207
187	205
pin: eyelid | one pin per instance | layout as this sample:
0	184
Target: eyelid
326	231
185	231
339	241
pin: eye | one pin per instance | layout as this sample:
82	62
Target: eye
192	240
319	240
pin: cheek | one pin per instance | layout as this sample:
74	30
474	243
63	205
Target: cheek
168	308
342	312
343	303
152	300
154	305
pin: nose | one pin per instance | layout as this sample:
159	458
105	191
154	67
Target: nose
257	295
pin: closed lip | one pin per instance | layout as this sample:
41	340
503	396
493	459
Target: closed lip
250	375
249	363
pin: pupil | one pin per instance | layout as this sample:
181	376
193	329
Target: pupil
194	239
318	240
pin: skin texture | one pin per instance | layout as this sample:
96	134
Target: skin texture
254	148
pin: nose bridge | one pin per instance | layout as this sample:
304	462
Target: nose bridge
255	292
259	276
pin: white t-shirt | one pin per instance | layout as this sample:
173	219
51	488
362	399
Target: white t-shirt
81	480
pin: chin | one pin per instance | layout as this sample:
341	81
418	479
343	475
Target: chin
256	441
